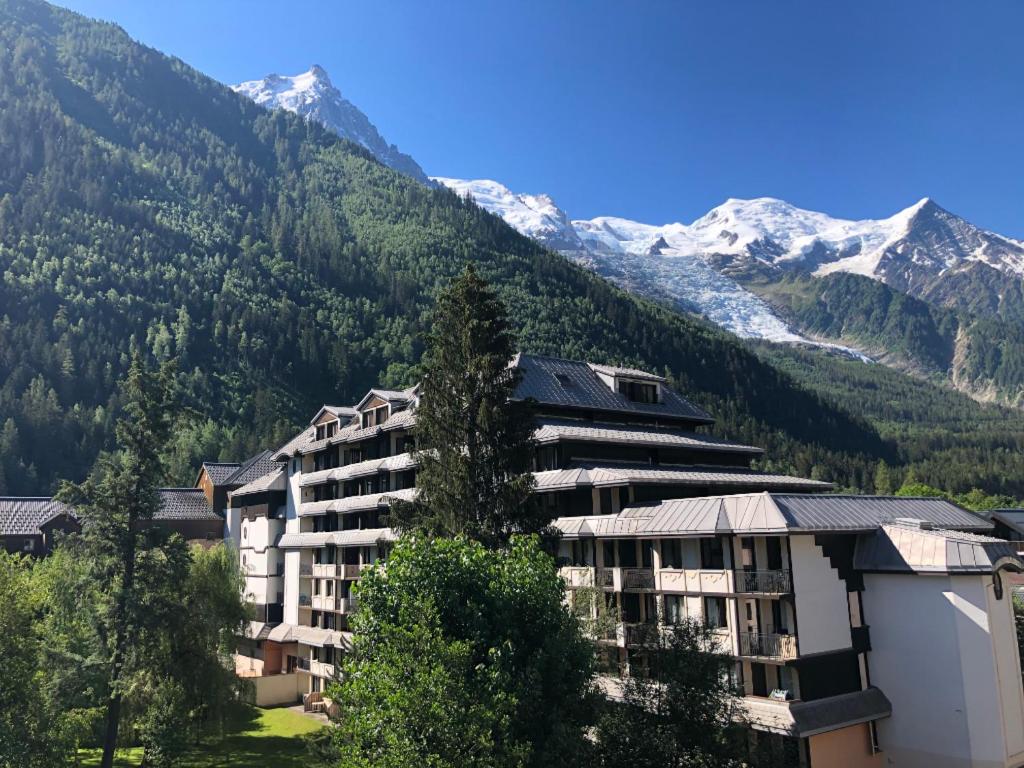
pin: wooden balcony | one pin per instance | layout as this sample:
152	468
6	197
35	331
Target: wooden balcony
764	582
637	578
765	645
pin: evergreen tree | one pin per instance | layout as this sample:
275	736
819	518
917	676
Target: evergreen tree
475	443
884	483
677	711
135	569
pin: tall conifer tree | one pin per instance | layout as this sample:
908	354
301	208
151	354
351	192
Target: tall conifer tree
475	441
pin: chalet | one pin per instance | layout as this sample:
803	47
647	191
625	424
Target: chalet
32	525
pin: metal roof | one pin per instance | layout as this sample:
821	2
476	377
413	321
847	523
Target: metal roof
253	468
360	537
768	513
24	515
296	633
184	504
551	430
396	463
575	384
610	474
844	513
355	503
907	546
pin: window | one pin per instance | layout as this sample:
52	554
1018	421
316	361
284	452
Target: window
773	545
639	392
582	553
627	553
714	612
675	609
608	548
547	458
671	553
712	556
647	553
606	501
630	607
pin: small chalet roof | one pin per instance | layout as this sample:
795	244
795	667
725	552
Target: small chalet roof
550	430
220	471
184	504
361	537
341	412
610	474
253	468
767	513
272	481
25	515
577	385
912	546
393	396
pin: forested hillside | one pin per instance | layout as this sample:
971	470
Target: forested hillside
981	354
946	439
144	204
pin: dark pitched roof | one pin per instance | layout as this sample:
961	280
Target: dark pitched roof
220	471
845	513
184	504
24	515
255	467
575	384
910	546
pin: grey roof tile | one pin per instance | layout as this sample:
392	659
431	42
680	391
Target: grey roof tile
23	515
184	504
253	468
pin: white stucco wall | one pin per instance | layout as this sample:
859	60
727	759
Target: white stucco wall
822	610
933	656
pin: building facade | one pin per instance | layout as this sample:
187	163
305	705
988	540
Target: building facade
865	631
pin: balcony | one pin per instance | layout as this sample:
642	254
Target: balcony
324	603
325	571
767	645
637	578
604	577
577	576
305	569
304	601
321	669
764	582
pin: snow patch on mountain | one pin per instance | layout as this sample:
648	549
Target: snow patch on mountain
312	95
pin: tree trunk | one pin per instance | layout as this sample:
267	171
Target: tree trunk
120	640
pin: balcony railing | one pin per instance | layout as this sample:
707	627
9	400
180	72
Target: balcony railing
305	569
604	577
637	578
767	645
304	600
764	582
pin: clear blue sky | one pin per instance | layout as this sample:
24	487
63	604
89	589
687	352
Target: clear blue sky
657	111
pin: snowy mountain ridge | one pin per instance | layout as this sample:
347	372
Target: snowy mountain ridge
312	95
700	266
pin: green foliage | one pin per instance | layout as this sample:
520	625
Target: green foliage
463	656
943	437
475	444
284	268
30	735
680	712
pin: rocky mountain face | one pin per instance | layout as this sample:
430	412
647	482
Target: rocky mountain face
312	95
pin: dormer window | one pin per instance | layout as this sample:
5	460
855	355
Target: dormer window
325	431
375	416
564	380
638	391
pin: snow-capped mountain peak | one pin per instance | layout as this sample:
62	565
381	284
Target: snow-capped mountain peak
312	95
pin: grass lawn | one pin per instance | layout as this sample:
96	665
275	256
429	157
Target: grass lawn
255	738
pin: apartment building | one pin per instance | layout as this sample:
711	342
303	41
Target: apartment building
606	437
865	631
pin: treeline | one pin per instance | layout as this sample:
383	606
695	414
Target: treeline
143	205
